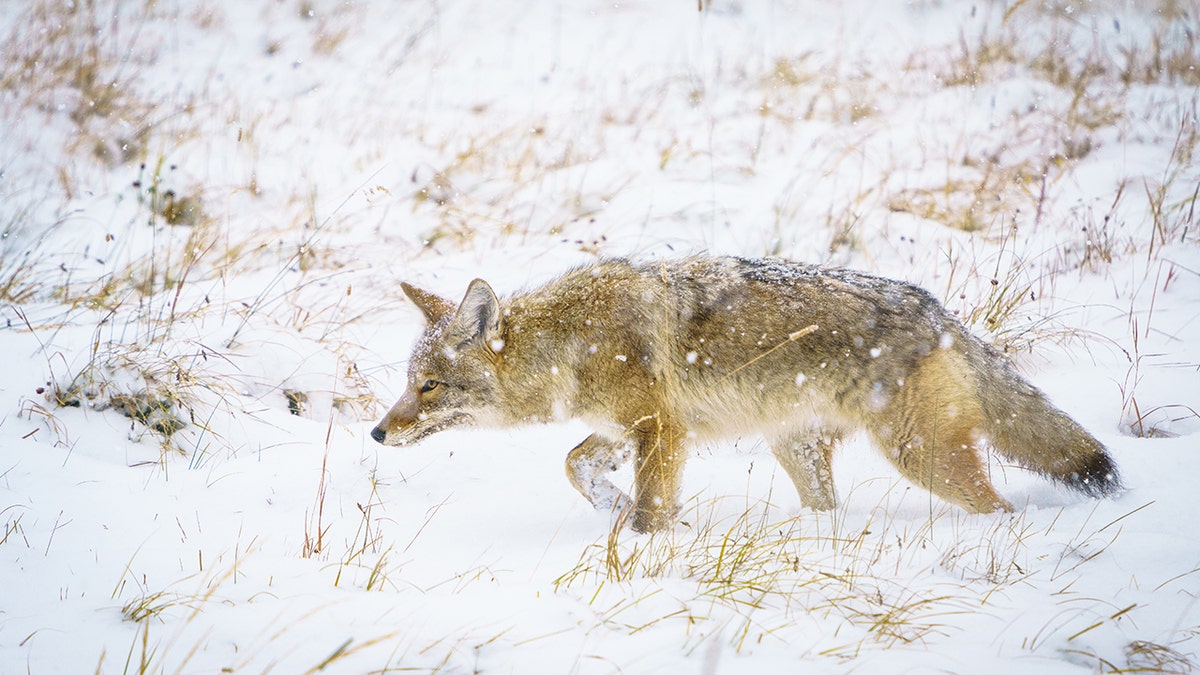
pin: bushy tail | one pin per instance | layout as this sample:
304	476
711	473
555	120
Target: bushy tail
1025	428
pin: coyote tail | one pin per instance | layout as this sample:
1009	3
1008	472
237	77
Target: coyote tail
1024	427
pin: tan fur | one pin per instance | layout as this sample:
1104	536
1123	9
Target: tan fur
660	356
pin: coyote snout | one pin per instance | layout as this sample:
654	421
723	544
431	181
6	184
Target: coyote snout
401	418
662	355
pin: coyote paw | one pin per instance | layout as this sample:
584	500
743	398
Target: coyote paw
605	496
653	518
587	468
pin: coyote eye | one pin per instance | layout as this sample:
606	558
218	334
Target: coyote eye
429	385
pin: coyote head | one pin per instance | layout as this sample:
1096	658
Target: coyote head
452	372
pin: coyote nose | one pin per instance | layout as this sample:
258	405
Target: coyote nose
378	434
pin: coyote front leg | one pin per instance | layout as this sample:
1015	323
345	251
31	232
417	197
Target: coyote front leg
587	465
658	469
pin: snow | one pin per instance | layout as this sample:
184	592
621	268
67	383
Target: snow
207	209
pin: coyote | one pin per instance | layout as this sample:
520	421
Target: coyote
659	356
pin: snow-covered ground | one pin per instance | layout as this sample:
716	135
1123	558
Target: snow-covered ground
207	209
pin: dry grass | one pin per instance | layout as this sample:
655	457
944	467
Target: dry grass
879	583
750	565
76	57
494	187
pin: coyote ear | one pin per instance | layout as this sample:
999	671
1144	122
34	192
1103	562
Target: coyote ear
434	307
478	317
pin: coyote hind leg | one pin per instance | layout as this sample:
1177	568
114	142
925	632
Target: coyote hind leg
950	468
587	465
930	434
805	456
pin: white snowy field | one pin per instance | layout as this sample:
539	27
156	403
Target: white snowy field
207	209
